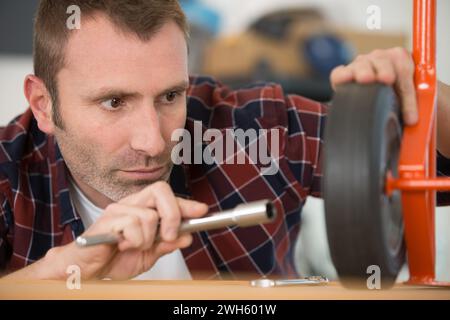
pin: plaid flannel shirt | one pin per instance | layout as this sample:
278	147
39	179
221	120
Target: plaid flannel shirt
36	211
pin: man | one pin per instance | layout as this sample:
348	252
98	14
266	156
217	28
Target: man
93	153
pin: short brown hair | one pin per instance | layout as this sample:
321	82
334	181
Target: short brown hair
141	17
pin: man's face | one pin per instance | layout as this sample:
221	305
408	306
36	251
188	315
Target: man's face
120	99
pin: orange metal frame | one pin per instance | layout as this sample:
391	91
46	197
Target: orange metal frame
417	164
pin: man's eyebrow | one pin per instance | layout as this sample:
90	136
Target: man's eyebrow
179	87
108	93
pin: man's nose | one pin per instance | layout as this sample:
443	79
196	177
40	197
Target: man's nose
147	137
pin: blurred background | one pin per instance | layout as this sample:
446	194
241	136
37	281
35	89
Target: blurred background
293	42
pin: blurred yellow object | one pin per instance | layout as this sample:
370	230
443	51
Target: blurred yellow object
239	55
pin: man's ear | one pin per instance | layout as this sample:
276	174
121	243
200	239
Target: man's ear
40	103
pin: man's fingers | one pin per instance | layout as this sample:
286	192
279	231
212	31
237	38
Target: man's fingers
393	67
385	71
143	198
191	208
181	242
159	196
167	207
363	71
149	220
163	248
404	66
129	226
408	101
339	75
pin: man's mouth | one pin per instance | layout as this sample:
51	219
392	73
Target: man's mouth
144	173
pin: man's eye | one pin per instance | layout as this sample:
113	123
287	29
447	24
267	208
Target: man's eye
171	96
113	103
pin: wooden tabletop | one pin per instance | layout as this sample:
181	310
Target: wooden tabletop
205	290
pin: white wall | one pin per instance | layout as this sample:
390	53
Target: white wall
13	70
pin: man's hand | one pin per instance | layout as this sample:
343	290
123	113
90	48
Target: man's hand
393	67
137	218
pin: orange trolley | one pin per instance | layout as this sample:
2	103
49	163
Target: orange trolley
380	177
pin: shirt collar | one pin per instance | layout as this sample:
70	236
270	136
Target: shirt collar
60	184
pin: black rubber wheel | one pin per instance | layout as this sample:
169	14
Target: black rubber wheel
362	143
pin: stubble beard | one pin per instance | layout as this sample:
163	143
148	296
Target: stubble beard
84	163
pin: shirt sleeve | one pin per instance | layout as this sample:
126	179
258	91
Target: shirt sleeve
5	249
306	124
266	106
443	170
